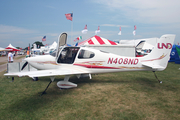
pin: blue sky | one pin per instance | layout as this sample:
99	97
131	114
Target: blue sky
26	21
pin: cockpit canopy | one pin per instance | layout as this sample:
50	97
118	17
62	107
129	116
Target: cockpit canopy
68	54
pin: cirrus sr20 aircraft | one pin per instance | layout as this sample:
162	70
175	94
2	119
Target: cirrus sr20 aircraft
85	61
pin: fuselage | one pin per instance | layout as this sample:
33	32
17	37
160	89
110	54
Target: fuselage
94	61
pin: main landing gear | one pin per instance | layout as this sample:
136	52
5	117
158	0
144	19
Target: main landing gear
44	92
61	84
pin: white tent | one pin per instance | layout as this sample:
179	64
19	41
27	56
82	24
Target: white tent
53	46
12	48
49	49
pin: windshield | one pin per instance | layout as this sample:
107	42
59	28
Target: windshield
53	53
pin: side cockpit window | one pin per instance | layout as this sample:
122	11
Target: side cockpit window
68	55
85	54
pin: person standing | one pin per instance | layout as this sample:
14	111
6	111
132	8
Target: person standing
10	57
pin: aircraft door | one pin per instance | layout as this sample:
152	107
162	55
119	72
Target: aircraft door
61	42
67	55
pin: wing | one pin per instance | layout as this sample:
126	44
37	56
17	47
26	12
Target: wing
52	72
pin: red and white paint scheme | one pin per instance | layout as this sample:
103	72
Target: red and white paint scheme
85	61
96	40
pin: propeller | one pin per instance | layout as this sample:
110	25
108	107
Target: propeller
24	65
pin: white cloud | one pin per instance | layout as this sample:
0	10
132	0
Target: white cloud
14	30
147	11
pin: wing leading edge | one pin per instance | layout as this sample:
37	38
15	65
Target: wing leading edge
44	73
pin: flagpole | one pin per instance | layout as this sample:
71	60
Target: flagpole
134	33
119	37
71	28
71	31
119	34
134	40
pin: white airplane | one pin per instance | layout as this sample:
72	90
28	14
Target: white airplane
85	61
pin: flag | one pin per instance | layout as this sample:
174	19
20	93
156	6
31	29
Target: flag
134	32
78	38
76	44
68	45
85	27
178	50
119	31
44	38
85	30
98	30
135	27
69	16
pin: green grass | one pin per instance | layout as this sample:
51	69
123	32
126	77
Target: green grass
121	96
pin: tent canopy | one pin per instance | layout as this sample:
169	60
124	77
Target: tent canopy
3	49
96	40
12	48
53	46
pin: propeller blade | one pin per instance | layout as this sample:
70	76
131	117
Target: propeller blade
24	65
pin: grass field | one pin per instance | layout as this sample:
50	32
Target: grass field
125	95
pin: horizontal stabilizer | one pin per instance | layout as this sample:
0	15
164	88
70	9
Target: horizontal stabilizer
153	66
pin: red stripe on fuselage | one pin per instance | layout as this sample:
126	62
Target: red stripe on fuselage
96	66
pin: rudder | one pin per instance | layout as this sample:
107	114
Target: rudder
159	56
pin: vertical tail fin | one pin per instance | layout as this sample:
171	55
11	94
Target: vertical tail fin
159	56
